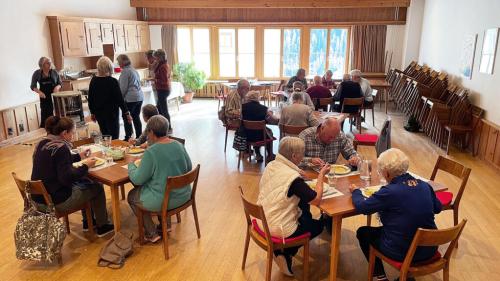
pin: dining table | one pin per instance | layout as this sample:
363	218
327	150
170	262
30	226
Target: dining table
115	176
382	85
340	207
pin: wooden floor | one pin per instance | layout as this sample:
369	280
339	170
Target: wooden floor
217	255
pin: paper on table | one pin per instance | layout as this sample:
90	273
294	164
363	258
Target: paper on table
102	166
331	192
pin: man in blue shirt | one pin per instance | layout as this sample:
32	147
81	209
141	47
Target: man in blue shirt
404	205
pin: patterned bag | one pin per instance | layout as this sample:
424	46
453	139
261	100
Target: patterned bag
38	236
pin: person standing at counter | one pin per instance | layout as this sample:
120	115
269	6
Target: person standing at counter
162	84
105	99
151	67
130	85
49	82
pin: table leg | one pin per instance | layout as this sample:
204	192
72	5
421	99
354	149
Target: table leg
115	205
334	254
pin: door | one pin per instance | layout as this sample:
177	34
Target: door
73	38
119	38
94	38
144	42
131	42
107	33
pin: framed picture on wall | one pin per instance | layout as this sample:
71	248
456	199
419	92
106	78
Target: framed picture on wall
489	51
467	56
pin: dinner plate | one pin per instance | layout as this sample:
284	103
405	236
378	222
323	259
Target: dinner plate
137	162
136	150
312	183
340	169
370	190
99	162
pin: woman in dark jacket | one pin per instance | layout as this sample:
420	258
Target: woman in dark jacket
162	84
67	185
105	100
49	82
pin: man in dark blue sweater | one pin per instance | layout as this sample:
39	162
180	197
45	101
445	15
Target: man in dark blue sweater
404	204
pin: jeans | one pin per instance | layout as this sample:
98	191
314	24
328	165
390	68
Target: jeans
109	123
163	106
135	111
134	200
306	224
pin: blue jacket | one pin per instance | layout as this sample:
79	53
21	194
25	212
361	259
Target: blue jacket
404	205
130	85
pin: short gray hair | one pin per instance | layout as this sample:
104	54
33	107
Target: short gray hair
42	60
346	77
123	60
298	84
253	96
356	72
149	111
297	96
394	162
240	83
104	66
160	55
149	53
158	125
291	145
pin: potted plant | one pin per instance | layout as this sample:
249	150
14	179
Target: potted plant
191	78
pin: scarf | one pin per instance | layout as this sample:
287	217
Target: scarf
53	145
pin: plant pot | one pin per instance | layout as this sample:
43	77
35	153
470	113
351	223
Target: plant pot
188	97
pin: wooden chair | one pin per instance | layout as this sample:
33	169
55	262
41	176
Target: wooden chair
182	141
267	242
323	102
423	237
231	124
37	188
173	183
381	142
372	107
277	94
220	96
81	142
355	115
465	130
458	170
286	130
260	126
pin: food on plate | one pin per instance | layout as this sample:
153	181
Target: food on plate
369	191
99	162
135	150
312	183
340	169
117	153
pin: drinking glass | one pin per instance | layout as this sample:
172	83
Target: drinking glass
106	141
331	178
98	140
365	170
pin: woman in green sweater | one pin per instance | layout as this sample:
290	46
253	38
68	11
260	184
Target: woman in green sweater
164	158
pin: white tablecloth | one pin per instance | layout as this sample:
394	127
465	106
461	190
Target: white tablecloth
176	91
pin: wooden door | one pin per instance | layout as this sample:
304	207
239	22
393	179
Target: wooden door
73	38
107	33
131	42
143	33
94	38
119	36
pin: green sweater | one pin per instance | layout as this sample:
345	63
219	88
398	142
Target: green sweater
160	161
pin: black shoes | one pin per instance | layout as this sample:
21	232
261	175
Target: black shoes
105	229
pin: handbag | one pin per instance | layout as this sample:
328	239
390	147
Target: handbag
116	250
38	236
240	139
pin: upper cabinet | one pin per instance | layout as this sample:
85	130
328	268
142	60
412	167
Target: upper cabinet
73	38
143	33
107	33
119	38
131	38
94	38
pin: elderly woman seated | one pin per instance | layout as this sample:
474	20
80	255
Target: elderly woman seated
298	87
404	205
163	158
286	197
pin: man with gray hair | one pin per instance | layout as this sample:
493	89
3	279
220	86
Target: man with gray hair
235	99
318	91
298	114
298	87
365	86
347	89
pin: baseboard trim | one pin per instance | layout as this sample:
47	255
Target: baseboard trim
23	138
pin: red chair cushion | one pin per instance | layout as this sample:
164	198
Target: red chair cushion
366	138
444	197
398	264
278	240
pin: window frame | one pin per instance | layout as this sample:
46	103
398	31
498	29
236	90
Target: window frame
328	40
236	34
191	43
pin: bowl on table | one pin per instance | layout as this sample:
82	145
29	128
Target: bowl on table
117	153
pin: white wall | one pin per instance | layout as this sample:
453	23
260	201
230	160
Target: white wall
25	38
155	35
394	43
413	31
445	24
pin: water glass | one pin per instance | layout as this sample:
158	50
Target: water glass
365	170
109	160
98	140
106	141
331	178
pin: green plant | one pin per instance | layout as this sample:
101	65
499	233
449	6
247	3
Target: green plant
189	76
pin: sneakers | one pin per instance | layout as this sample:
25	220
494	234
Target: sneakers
153	239
105	229
284	264
85	225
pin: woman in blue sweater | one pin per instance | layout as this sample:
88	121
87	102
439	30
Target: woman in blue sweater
404	204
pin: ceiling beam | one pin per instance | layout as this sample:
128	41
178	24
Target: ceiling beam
268	3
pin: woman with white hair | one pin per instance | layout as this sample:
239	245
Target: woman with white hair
404	204
105	99
298	87
364	84
286	199
164	158
49	82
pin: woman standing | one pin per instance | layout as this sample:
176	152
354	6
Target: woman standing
162	84
49	82
130	85
105	98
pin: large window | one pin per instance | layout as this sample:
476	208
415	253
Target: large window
236	52
281	52
336	53
227	52
193	45
317	51
246	52
291	51
272	52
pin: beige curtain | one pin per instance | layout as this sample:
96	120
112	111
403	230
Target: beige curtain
368	48
169	43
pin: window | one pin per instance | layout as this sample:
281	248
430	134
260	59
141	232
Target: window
227	52
246	52
317	51
337	53
291	51
272	52
281	53
193	45
331	44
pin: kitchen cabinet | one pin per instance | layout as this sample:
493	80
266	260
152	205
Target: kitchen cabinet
143	33
119	36
131	38
73	38
107	33
94	38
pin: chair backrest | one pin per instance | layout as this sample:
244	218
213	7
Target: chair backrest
434	237
180	182
325	101
233	80
35	187
384	140
281	85
291	130
352	102
256	125
182	141
81	142
257	212
454	168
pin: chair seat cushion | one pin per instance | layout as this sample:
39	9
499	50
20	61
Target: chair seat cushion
366	138
278	240
444	197
398	264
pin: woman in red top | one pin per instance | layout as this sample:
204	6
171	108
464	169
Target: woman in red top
162	83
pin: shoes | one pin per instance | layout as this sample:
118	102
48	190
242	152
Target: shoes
86	225
153	239
284	264
105	229
259	158
270	158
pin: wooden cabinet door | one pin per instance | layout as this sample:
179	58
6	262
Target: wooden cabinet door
94	38
107	33
131	42
144	42
73	38
119	36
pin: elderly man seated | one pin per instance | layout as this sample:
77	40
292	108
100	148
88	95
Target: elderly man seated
366	89
325	142
299	77
327	80
404	204
298	114
347	89
286	199
235	99
298	87
318	91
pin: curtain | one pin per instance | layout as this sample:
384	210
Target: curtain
368	48
169	43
